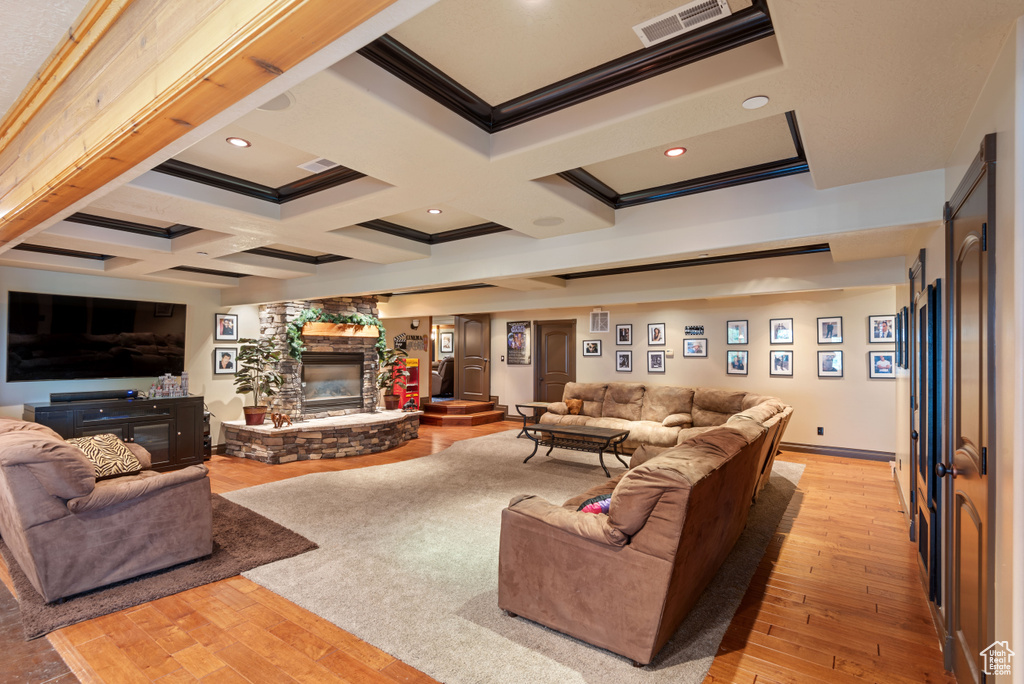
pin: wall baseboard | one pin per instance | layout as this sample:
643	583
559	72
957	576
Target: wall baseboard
842	452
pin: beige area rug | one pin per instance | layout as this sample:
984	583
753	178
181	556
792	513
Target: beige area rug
408	561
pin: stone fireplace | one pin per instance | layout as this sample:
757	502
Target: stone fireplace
337	375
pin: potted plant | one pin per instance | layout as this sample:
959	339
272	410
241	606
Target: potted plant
391	374
256	373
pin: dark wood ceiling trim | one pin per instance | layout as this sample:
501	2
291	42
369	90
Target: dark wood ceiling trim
295	256
593	186
286	193
705	261
209	271
174	231
60	251
745	26
435	290
382	226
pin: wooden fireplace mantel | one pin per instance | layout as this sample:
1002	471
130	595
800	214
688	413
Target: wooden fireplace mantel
340	330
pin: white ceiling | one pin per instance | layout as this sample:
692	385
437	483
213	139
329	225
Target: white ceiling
879	89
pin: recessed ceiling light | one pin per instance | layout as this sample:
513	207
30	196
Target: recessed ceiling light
279	103
675	152
433	211
239	142
755	102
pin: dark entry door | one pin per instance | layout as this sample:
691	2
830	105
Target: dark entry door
970	272
555	359
472	352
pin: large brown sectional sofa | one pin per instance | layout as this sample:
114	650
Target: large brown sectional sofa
70	533
625	580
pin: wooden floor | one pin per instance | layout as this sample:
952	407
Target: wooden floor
835	599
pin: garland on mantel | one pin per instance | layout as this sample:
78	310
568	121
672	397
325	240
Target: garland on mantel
296	347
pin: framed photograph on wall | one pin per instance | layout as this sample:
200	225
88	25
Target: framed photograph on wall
736	332
781	331
781	362
448	342
736	362
624	334
225	327
225	360
655	334
591	347
882	364
882	329
698	346
623	361
830	364
830	330
656	361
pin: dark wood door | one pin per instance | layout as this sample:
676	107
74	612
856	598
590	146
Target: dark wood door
926	439
554	359
472	357
970	271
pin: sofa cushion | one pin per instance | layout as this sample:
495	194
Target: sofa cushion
679	420
649	432
574	406
558	408
686	434
611	423
61	468
623	400
712	407
555	419
761	412
592	394
109	455
663	400
644	453
15	425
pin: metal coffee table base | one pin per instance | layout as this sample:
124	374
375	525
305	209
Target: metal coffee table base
578	438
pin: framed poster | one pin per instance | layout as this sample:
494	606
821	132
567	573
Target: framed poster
623	361
624	334
591	347
519	345
447	342
882	364
736	362
830	330
695	347
656	361
781	330
655	334
830	364
882	329
781	362
225	360
225	327
736	332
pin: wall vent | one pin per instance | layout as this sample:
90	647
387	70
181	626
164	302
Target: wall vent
681	20
599	322
319	164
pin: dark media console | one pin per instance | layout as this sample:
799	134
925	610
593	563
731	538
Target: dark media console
169	429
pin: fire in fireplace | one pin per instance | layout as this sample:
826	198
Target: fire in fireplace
332	381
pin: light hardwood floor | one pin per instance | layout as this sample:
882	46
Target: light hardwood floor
835	599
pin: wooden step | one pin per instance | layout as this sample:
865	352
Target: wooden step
458	407
462	420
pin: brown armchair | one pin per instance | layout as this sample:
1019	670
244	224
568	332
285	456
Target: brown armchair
70	533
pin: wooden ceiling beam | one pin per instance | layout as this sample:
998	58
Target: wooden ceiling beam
142	74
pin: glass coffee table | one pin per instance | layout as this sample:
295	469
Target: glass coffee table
595	440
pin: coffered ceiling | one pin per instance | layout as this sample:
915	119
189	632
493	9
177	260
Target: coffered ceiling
530	123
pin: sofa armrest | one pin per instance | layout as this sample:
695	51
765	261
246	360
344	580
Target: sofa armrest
125	489
680	420
141	454
586	525
558	408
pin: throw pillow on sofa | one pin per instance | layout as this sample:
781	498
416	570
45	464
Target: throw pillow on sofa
575	406
598	504
109	455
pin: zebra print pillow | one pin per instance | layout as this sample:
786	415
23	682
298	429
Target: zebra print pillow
109	456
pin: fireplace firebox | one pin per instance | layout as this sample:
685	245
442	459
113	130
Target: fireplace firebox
332	381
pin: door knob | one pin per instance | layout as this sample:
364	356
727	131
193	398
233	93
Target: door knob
941	470
913	435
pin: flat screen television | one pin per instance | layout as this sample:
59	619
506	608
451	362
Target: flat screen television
64	337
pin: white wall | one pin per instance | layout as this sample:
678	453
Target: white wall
855	411
203	303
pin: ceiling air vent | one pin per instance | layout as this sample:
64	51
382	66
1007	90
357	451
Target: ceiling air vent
318	165
681	20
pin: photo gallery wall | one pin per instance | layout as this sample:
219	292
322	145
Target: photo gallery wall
881	329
